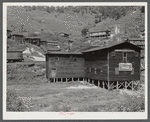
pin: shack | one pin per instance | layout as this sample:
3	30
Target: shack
33	40
113	65
64	66
9	34
18	38
43	43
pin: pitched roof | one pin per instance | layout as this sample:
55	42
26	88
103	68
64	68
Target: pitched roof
66	53
109	45
137	39
17	35
99	31
32	38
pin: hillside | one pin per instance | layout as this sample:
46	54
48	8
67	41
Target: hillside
47	22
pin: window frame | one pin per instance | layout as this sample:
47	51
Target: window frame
95	71
56	58
124	58
113	53
136	54
89	69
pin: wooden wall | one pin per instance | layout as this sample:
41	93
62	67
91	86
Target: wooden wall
96	65
18	39
118	58
65	66
35	41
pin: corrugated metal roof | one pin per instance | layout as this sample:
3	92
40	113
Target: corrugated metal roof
108	45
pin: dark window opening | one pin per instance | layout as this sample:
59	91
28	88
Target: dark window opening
74	59
56	59
124	57
53	68
136	54
113	53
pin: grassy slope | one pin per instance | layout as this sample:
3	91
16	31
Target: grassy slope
56	97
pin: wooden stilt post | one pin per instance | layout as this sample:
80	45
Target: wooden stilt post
61	79
92	81
78	79
98	83
83	79
54	80
117	85
72	79
108	85
66	79
132	85
103	82
125	84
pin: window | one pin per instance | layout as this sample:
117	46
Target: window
95	71
136	54
53	68
56	59
124	57
74	59
89	69
113	53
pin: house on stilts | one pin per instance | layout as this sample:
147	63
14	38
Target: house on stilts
113	65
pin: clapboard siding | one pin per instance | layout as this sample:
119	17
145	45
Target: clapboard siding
66	67
118	58
97	61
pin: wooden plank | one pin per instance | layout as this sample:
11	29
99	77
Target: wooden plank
117	85
132	85
98	83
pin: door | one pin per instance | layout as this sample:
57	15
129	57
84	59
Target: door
53	72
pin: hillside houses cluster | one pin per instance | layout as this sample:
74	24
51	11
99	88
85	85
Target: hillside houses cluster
51	45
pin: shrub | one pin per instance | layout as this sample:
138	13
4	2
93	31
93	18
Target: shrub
133	104
14	103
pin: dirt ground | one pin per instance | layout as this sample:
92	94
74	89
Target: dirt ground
70	96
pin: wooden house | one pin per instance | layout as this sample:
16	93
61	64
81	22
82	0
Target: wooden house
103	34
9	34
33	40
116	64
18	38
43	43
52	42
64	66
62	34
